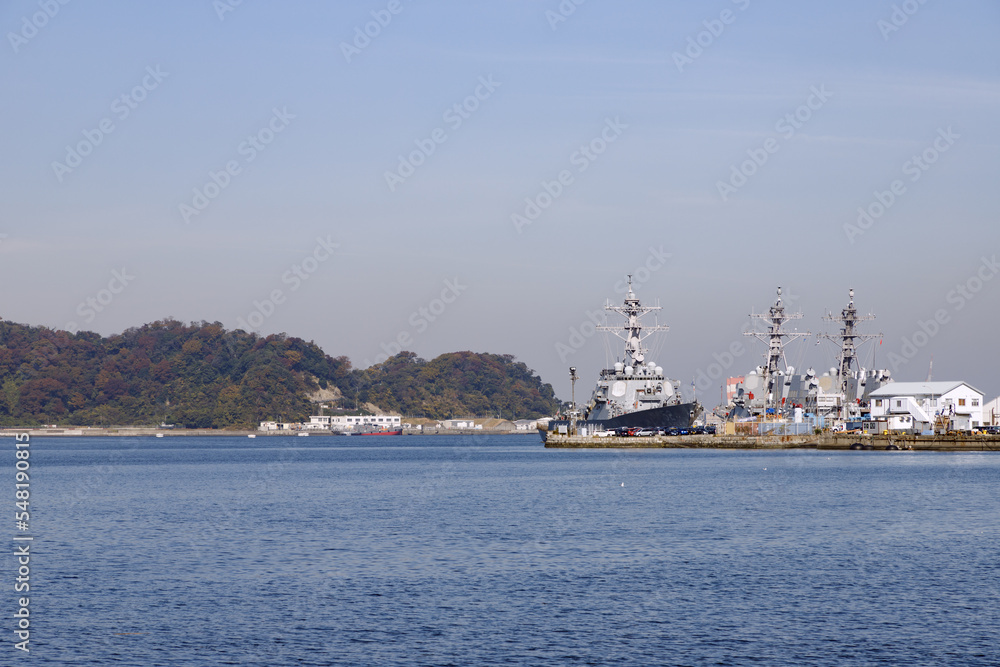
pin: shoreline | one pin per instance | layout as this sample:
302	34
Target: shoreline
938	443
150	431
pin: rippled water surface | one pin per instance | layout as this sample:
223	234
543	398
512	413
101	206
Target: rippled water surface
496	551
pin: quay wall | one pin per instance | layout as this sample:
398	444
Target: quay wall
938	443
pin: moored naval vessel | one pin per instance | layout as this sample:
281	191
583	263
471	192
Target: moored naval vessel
634	392
774	388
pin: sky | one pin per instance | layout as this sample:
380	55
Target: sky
446	176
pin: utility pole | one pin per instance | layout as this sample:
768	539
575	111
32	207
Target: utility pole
572	412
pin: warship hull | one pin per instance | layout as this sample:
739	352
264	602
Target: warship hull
681	415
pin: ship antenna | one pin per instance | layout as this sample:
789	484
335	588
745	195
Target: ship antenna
633	332
849	338
774	338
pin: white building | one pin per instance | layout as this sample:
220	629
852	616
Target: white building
346	422
278	426
991	412
460	423
916	405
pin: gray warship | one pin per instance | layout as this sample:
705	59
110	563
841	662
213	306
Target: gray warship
634	392
774	388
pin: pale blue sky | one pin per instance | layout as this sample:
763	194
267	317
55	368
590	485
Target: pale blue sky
343	125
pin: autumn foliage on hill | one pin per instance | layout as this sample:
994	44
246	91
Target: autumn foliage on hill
456	384
196	375
202	376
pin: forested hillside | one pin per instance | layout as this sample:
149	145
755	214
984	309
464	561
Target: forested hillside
456	384
201	375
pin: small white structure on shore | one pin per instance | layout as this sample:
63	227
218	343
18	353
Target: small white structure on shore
905	406
278	426
347	422
467	423
991	413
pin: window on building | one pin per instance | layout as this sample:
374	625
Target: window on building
878	403
899	404
975	402
961	401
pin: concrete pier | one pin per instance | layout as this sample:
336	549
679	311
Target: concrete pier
937	443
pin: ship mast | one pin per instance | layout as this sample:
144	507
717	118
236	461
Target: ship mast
849	320
774	338
633	333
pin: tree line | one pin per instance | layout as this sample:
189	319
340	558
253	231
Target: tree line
200	375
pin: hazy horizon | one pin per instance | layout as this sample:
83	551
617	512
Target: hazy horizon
483	177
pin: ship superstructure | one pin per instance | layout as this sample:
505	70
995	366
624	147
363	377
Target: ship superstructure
772	374
633	384
635	391
775	388
854	383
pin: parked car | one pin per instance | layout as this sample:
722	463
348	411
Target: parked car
645	432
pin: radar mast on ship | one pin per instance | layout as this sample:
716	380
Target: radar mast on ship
775	337
634	392
849	320
632	332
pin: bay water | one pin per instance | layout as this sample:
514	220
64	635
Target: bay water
491	550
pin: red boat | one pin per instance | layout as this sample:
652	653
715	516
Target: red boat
396	432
